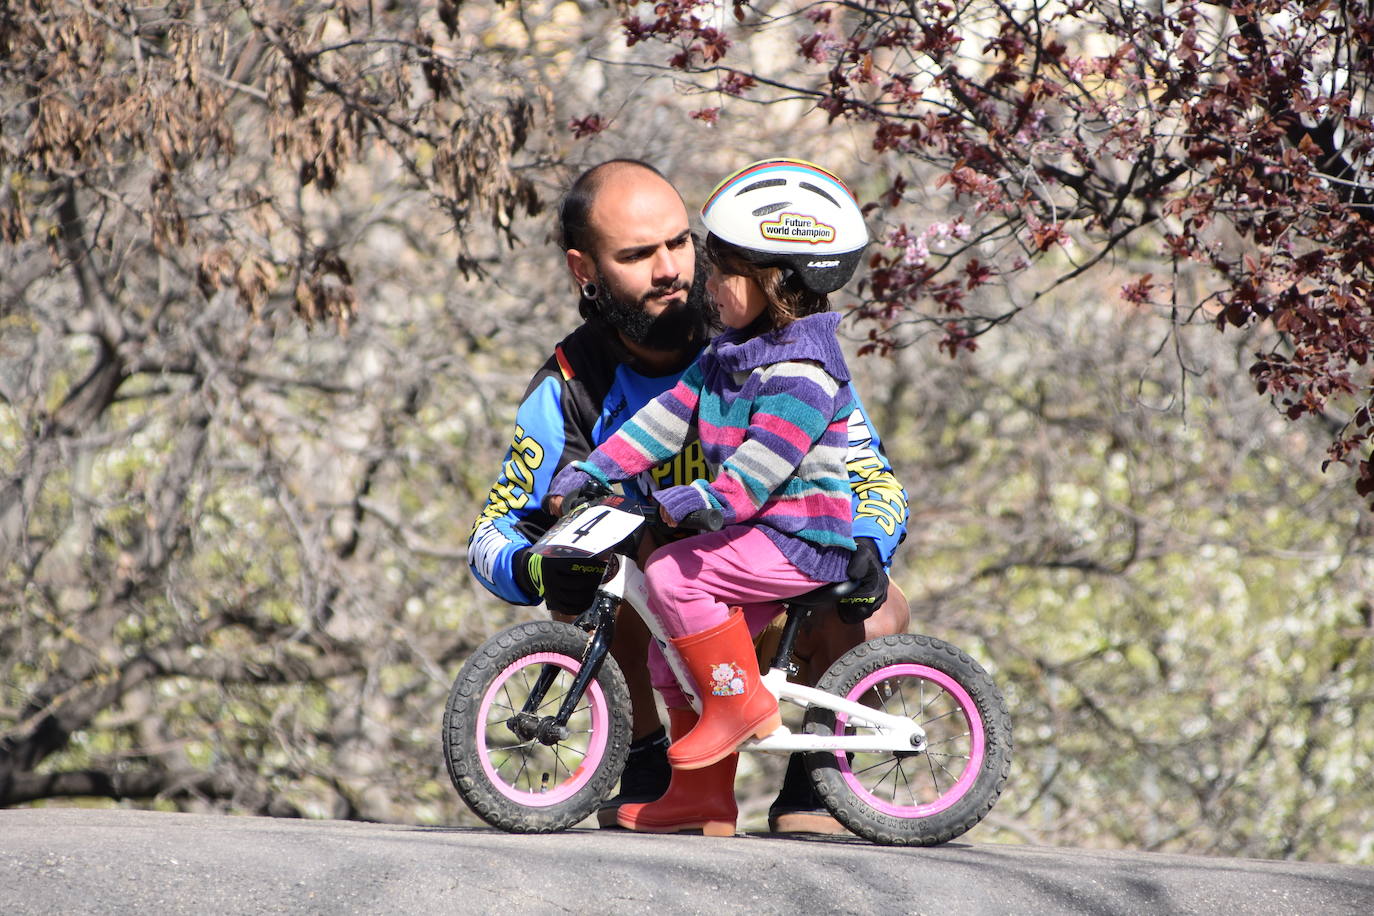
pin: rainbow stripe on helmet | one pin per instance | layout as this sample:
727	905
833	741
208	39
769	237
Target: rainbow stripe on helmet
753	170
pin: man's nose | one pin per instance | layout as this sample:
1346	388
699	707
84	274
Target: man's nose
665	268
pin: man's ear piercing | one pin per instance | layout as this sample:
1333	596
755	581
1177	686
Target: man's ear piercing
589	291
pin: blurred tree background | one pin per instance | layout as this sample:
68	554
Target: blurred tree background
274	274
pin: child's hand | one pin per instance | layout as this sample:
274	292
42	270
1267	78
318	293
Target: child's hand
663	514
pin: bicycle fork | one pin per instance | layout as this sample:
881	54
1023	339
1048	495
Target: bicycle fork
599	621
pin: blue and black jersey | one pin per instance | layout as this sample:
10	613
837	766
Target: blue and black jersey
581	395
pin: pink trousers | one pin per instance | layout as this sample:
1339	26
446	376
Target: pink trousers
693	583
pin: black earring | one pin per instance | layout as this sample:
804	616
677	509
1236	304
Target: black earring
589	291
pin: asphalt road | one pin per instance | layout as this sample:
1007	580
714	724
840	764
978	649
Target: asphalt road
74	861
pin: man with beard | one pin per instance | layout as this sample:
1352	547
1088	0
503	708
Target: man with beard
630	248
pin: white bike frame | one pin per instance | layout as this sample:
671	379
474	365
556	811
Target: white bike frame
893	733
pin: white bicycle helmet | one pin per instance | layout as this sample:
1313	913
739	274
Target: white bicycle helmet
791	214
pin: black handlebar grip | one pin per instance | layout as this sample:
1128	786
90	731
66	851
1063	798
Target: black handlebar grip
708	519
593	489
590	491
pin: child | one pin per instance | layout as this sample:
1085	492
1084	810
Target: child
770	401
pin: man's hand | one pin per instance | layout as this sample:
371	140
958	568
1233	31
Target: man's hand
865	567
589	491
567	585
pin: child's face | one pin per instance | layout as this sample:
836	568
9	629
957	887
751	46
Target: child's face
739	299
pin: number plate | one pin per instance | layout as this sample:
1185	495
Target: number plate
587	531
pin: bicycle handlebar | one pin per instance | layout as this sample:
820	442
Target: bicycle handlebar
708	519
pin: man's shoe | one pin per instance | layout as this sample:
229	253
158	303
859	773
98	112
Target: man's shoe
644	779
808	820
798	809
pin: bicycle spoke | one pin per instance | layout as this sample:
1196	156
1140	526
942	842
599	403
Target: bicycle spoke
529	765
889	767
522	771
894	796
503	707
550	700
934	776
511	748
953	776
922	715
525	687
503	754
891	777
884	769
905	710
911	792
879	763
944	715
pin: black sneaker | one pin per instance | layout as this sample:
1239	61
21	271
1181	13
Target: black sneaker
798	809
644	779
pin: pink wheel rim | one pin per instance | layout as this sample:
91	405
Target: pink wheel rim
596	743
976	750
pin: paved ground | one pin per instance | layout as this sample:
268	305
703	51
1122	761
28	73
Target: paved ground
83	861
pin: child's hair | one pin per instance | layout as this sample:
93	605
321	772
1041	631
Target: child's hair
788	299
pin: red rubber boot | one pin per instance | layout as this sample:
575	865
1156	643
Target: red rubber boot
734	703
701	799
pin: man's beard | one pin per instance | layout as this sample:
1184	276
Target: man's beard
678	327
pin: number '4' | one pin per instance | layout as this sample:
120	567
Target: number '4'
586	527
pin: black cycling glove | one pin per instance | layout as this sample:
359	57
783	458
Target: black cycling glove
567	584
866	568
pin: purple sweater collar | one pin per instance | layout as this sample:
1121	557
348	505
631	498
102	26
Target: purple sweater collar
812	338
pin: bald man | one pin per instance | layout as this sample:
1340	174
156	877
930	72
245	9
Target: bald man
629	247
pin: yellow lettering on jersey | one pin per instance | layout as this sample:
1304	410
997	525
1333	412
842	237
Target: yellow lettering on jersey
512	489
881	496
526	446
684	467
886	512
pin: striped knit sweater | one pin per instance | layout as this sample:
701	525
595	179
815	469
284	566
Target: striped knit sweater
771	412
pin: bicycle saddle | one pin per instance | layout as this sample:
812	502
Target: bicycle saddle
826	594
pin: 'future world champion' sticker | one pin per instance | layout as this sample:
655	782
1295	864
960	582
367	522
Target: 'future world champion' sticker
797	227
